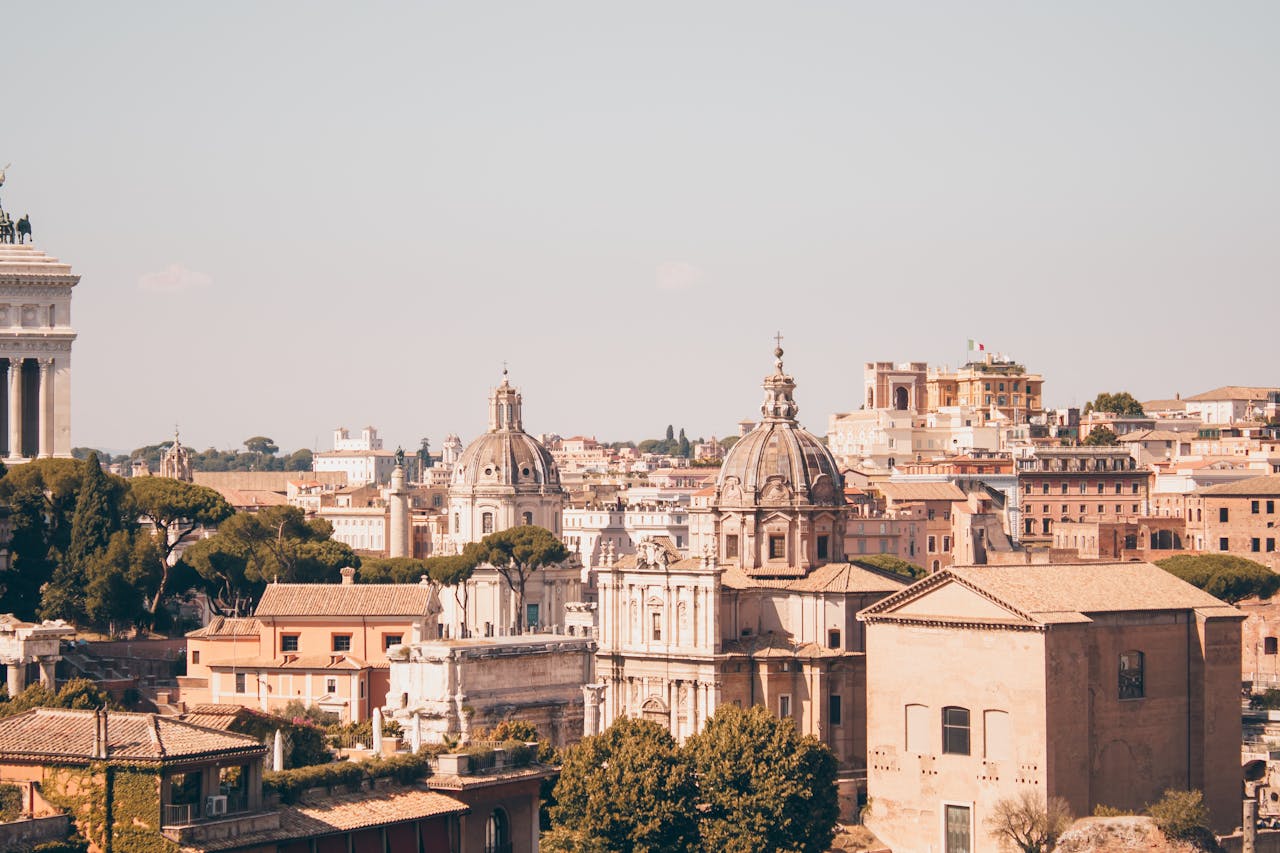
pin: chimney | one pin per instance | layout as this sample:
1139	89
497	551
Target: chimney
348	576
100	733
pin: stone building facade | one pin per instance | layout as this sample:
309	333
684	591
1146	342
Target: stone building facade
762	612
35	353
1079	484
1063	680
1240	518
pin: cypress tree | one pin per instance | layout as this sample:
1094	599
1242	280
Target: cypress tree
97	515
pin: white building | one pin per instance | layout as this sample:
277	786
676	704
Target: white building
363	459
589	531
35	352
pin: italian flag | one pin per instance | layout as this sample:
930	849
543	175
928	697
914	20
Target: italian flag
975	345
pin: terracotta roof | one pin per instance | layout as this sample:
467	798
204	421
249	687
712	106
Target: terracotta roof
218	717
223	626
57	733
343	813
1067	592
1165	406
831	578
908	491
251	497
291	661
360	599
1267	484
772	645
1234	392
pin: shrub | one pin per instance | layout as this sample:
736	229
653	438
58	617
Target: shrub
290	784
1109	811
1183	815
10	803
70	845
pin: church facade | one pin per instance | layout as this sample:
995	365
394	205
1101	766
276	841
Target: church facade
504	479
763	612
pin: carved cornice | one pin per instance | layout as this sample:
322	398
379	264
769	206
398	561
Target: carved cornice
41	285
35	346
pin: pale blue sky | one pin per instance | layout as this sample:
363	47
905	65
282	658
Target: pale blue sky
291	216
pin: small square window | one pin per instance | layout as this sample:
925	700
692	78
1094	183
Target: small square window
1269	645
342	642
288	642
389	640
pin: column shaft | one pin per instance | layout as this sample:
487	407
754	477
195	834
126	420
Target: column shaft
15	408
46	407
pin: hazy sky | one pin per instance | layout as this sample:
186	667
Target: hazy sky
292	216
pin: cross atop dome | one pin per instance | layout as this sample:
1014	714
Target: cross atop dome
778	403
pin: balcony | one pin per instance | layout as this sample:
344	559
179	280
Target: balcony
214	808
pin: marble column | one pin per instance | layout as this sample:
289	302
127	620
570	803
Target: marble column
48	670
16	679
46	407
15	408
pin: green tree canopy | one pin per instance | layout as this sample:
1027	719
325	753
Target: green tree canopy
762	786
1121	403
391	570
251	549
41	496
627	789
174	509
517	553
1224	576
97	511
116	576
1101	437
261	445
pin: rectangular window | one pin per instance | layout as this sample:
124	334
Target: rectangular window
1255	507
1131	676
1064	488
933	544
777	547
823	547
195	656
389	640
946	544
1135	488
1084	488
997	741
240	682
1044	488
959	834
784	705
835	711
955	731
1269	645
731	546
657	626
1224	544
288	642
1271	546
1223	514
1271	507
331	686
1255	544
342	642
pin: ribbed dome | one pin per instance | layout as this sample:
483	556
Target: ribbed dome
506	459
779	462
506	455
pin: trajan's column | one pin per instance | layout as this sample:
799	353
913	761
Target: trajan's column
35	353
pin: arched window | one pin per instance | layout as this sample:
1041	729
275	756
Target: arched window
497	833
486	522
955	731
526	518
1132	672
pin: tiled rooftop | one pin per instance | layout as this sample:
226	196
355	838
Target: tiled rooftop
360	599
57	733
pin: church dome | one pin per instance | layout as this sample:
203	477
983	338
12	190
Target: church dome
779	462
506	456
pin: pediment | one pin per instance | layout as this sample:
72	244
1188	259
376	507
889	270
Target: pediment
953	600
